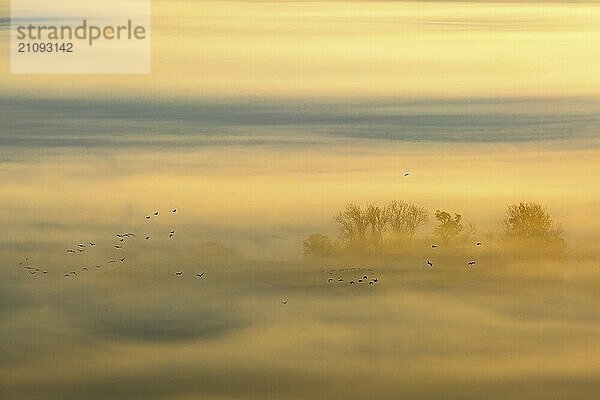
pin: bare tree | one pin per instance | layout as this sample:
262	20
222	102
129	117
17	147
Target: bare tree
406	218
353	225
448	226
469	232
377	218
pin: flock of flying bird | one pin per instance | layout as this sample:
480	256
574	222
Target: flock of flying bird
374	280
82	247
121	237
470	263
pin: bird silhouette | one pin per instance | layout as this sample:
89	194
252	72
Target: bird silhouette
471	263
81	250
429	263
98	266
147	217
330	280
174	210
112	261
406	174
284	302
92	244
70	251
178	273
84	269
370	283
352	282
433	246
117	246
147	237
122	259
478	243
200	275
155	212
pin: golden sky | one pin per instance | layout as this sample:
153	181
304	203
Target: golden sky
354	49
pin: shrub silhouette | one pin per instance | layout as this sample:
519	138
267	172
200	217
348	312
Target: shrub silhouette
318	245
448	227
531	222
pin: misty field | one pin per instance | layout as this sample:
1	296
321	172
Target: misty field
213	297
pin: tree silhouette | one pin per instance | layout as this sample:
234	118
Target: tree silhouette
530	221
353	225
448	227
406	218
318	245
377	218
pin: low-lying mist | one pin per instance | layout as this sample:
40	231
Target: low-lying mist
216	300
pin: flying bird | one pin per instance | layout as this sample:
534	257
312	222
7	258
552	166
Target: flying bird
155	212
117	246
478	243
284	302
122	259
429	263
406	174
471	263
92	244
147	217
70	251
200	275
174	210
178	273
147	237
84	269
433	246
